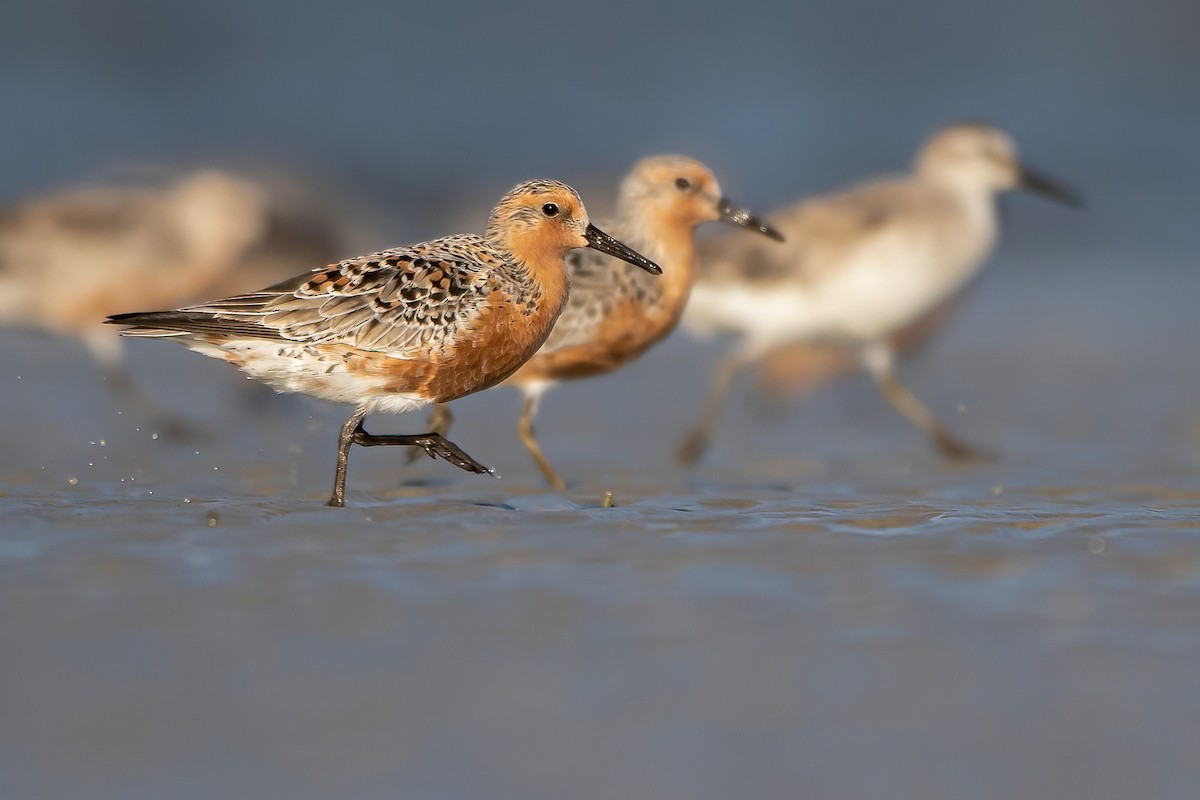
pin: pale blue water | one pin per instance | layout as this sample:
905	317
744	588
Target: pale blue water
823	609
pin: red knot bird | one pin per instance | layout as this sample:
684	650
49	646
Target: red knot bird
860	265
403	328
616	313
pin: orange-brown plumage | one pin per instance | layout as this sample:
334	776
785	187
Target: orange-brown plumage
615	314
399	329
498	343
624	334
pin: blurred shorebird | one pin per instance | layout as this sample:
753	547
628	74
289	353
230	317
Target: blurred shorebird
615	312
68	259
403	328
861	265
795	369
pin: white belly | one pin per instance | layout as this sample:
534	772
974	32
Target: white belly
295	369
880	289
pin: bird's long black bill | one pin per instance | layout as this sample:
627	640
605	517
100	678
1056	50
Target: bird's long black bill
744	219
1047	187
599	240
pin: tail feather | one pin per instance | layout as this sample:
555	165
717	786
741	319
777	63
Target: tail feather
178	323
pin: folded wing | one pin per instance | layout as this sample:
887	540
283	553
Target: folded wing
395	301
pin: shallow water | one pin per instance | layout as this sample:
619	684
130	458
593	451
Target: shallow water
822	608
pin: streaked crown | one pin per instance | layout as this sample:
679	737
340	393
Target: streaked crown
539	216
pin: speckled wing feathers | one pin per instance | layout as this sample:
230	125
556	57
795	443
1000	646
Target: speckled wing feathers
395	301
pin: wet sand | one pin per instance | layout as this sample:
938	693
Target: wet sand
824	609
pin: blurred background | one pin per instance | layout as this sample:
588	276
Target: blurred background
417	107
823	610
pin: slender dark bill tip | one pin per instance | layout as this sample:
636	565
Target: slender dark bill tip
743	218
599	240
1040	183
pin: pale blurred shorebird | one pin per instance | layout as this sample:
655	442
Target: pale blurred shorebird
795	369
861	265
403	328
615	312
69	258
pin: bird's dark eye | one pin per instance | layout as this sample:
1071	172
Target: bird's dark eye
683	184
550	209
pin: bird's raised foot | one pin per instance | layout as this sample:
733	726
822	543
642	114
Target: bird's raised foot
439	422
439	447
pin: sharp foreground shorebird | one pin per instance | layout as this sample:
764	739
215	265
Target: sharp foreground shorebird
860	265
400	329
616	313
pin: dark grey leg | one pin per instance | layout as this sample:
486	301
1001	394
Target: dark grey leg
345	439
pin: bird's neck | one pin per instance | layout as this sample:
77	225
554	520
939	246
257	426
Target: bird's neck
967	186
538	258
668	240
539	281
975	198
975	220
